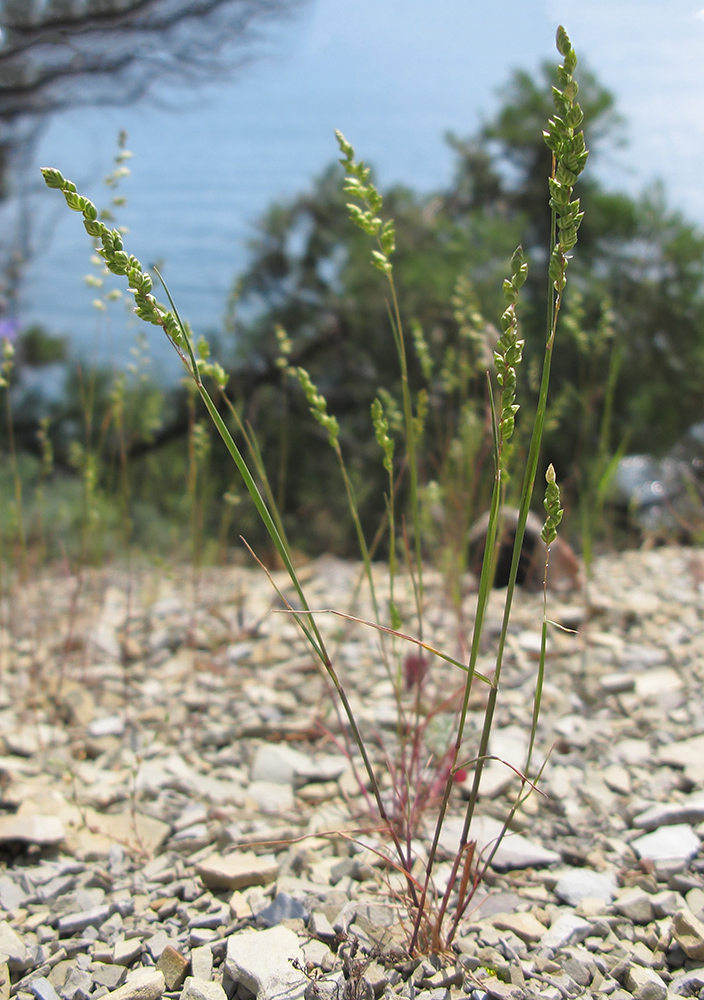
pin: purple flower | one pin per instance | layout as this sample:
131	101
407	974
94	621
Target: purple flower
9	328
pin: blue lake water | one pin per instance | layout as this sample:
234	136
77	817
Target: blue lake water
394	75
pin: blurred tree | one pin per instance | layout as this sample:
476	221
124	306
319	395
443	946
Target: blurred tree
310	273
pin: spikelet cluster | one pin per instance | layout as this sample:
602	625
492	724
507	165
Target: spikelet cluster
569	159
509	349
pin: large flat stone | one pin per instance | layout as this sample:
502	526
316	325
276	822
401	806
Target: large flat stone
238	870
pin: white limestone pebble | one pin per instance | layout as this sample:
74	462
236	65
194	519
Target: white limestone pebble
142	984
634	903
202	962
261	961
43	830
568	927
689	810
202	989
677	844
577	884
12	946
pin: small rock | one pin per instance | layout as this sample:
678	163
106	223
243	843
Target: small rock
635	904
110	976
645	984
73	923
237	871
261	961
202	962
271	797
688	984
690	810
78	984
567	928
11	895
618	779
42	989
320	926
12	947
142	984
284	907
688	931
174	966
43	830
202	989
515	851
677	844
695	901
125	952
109	725
524	925
683	753
666	903
278	763
578	883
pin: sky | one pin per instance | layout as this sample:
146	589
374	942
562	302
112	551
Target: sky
394	76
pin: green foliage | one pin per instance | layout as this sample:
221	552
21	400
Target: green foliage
309	273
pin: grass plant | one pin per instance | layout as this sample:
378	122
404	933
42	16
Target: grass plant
398	426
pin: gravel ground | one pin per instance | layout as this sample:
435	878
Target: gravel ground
181	817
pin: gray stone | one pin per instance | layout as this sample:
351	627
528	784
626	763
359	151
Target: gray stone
320	926
666	903
580	967
577	884
270	797
617	683
73	923
156	944
110	976
261	961
13	948
202	962
689	810
688	931
645	984
515	850
78	981
277	763
634	903
42	989
109	725
688	984
142	984
11	894
202	989
676	844
43	830
617	778
524	925
237	871
211	919
125	952
284	907
682	753
566	929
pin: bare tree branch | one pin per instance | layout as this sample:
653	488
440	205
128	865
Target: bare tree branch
71	52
